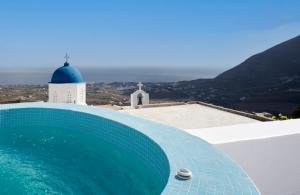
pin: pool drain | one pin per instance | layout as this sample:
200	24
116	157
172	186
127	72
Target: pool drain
184	174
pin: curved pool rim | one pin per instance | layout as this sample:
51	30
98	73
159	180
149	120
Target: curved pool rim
213	171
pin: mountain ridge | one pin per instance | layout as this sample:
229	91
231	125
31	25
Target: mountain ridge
282	60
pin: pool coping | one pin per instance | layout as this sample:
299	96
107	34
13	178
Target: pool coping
213	171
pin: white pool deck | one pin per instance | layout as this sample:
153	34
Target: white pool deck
267	151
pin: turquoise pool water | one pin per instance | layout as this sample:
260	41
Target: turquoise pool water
38	156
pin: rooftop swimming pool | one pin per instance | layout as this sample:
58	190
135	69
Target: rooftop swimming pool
69	149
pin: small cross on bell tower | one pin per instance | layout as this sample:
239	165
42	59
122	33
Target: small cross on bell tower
140	85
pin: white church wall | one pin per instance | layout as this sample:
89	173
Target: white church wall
81	94
145	100
67	93
133	101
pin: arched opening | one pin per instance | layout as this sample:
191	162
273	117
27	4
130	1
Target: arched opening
140	99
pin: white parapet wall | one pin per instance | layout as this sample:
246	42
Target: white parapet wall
267	151
243	132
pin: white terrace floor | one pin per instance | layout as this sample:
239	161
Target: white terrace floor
189	116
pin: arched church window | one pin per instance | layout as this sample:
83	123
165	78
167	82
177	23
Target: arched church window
69	97
54	97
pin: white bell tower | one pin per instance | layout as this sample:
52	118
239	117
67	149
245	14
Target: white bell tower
139	97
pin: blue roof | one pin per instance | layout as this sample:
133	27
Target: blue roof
66	74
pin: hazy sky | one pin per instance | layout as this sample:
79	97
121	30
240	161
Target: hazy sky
146	33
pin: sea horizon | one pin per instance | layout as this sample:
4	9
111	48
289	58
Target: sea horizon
40	76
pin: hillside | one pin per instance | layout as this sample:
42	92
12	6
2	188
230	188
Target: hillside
268	81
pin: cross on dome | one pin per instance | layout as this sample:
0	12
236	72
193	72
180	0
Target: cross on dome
140	85
67	57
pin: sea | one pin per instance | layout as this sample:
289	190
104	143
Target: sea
40	76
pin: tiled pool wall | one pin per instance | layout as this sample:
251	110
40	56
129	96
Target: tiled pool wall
106	130
213	171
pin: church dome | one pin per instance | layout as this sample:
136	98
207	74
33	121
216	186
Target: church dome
66	74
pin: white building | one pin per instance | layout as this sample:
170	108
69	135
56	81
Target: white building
67	86
139	97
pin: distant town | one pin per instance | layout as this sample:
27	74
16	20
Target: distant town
97	93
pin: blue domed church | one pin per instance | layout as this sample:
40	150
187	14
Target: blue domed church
67	85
